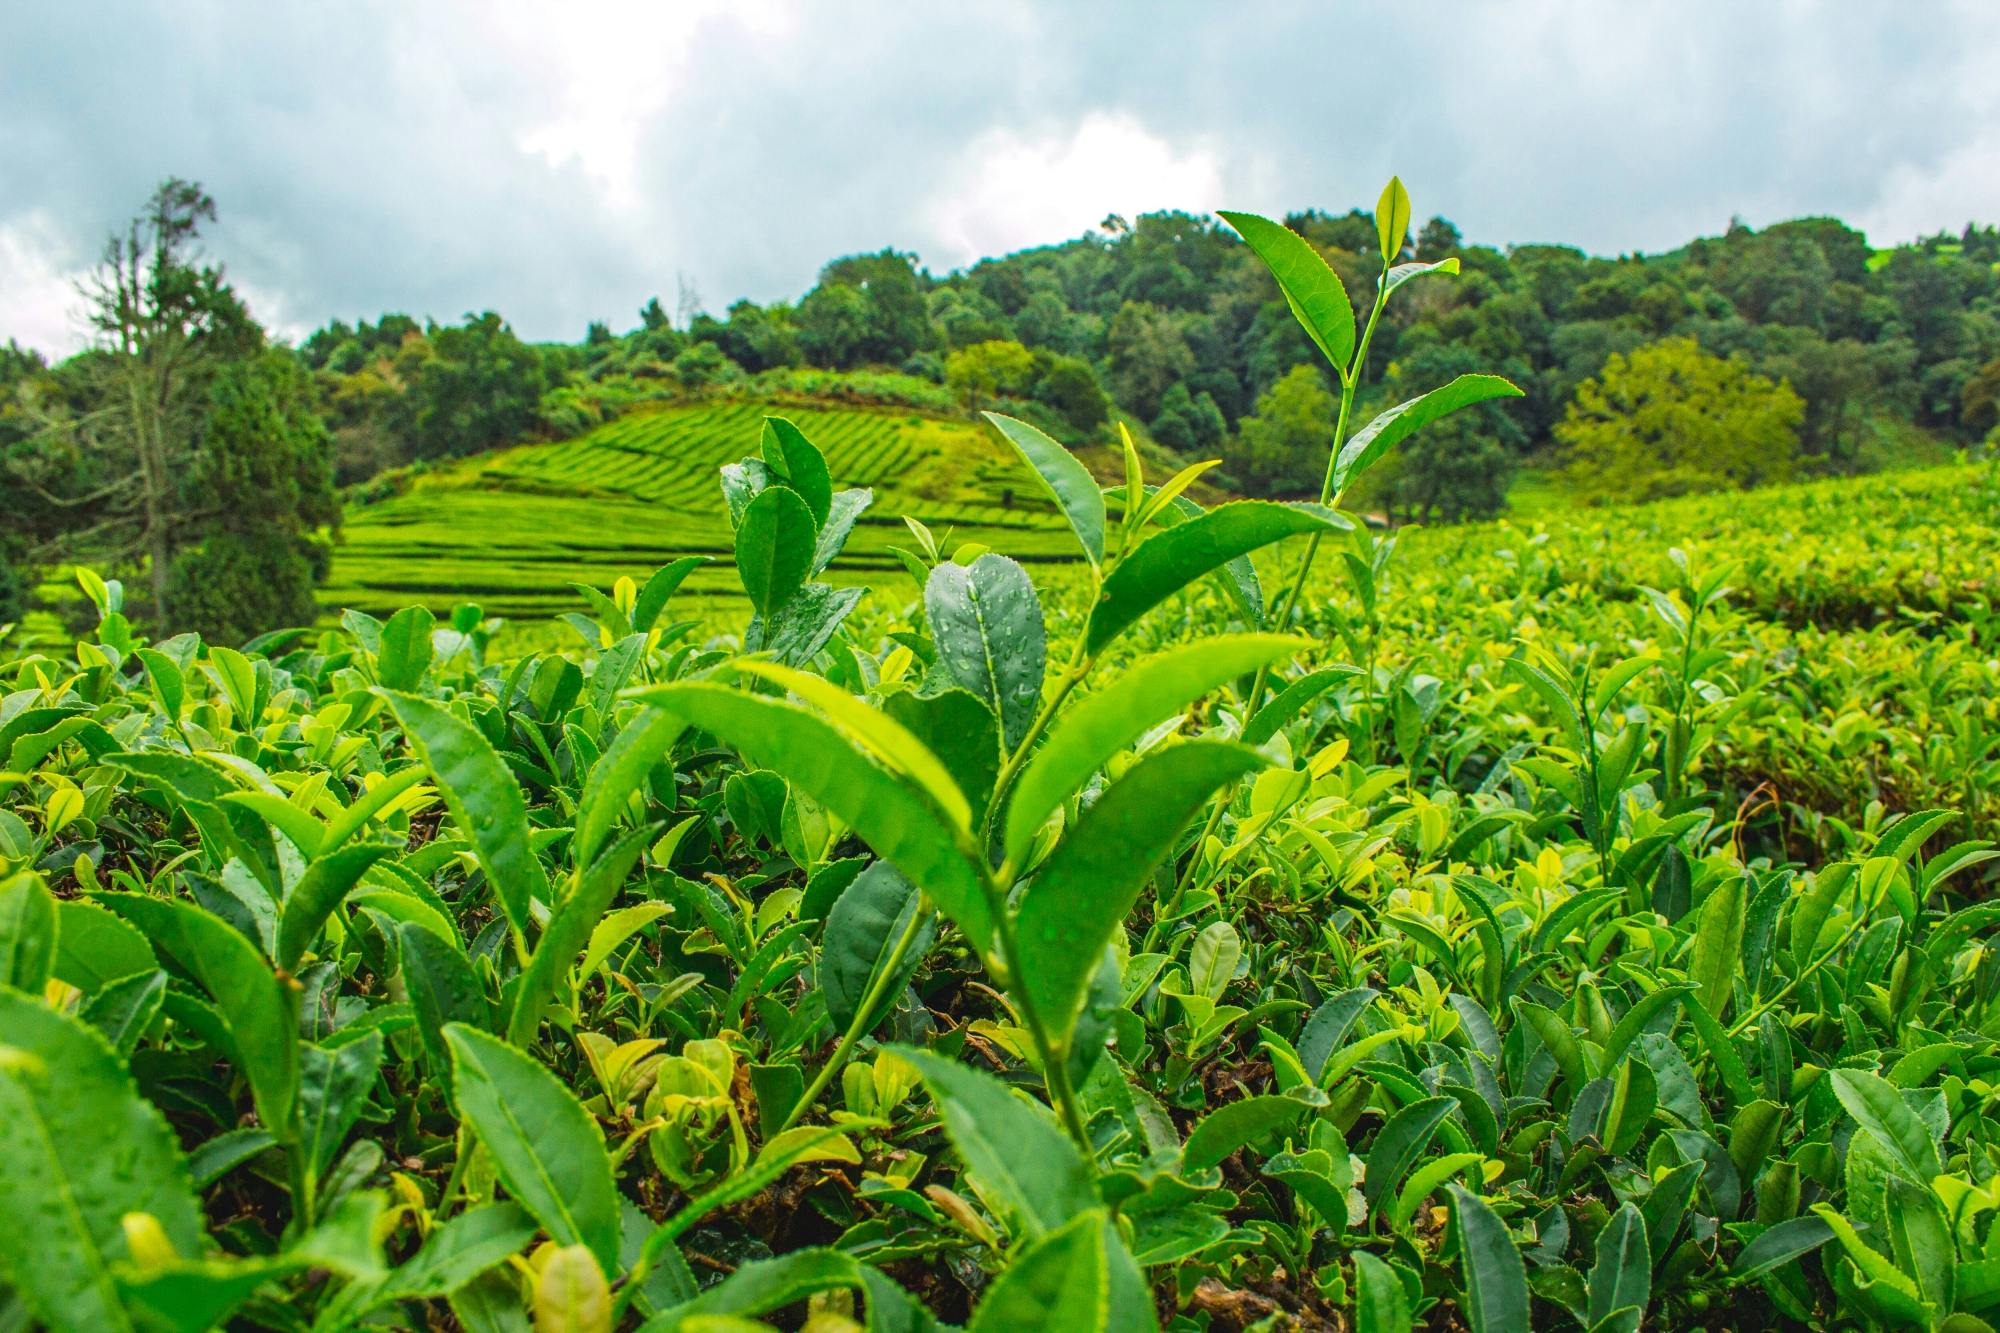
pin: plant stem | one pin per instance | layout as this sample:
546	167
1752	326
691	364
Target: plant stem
860	1024
1055	1073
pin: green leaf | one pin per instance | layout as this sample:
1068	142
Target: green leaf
318	892
886	739
799	462
125	1008
1621	1280
1562	1044
1392	218
1289	702
1311	288
1366	446
901	823
1782	1244
1402	273
1921	1240
545	1146
774	548
569	930
1085	890
1092	731
571	1295
640	747
1638	1019
439	980
1067	1279
1893	1290
862	931
1400	1143
1012	1146
1066	480
762	1286
333	1088
79	1149
1234	1124
406	648
1168	561
652	598
459	1251
483	797
1496	1281
95	946
261	1011
987	623
27	932
1718	946
846	511
1380	1304
1877	1105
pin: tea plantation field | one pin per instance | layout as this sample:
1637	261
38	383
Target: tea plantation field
516	530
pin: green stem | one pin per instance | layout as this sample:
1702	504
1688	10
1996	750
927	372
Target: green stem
858	1027
1765	1006
1350	379
1055	1071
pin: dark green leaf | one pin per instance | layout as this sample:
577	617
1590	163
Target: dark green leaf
987	624
1066	480
774	548
1366	446
1311	288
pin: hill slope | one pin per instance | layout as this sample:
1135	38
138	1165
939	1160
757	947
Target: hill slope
514	530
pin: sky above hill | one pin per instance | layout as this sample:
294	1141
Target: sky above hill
561	163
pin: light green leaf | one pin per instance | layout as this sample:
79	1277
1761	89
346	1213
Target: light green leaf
318	892
406	648
483	797
796	460
1085	890
640	747
1718	945
1313	290
1015	1151
571	1295
27	932
545	1146
904	825
79	1149
1392	217
1234	1124
887	740
261	1011
1168	561
568	931
1067	481
1090	732
95	946
1366	446
774	548
1063	1280
1381	1305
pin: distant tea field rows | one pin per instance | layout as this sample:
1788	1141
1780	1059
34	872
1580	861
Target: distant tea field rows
515	530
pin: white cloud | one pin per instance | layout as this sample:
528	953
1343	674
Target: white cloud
38	278
614	69
1007	191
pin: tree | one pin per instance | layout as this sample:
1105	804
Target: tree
467	388
1281	448
1670	419
1188	421
1069	385
833	326
163	320
261	482
1979	400
1148	353
984	370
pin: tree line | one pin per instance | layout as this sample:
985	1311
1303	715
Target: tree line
189	450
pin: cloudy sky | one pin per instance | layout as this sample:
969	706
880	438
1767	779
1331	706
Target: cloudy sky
561	163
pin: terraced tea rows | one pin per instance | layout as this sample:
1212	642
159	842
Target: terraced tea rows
514	530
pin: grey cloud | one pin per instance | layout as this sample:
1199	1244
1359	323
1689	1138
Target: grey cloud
371	156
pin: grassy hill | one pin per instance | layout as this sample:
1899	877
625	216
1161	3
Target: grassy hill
514	530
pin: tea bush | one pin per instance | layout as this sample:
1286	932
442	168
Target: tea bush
1282	924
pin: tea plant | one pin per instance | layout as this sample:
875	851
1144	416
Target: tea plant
1145	952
